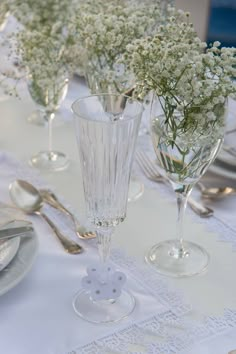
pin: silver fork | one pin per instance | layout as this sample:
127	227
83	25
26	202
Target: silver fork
152	173
50	198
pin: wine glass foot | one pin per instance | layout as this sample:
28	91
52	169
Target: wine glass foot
50	161
136	189
103	311
168	259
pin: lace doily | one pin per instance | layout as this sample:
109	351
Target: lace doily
163	334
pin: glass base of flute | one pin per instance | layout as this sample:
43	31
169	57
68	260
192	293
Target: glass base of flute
103	311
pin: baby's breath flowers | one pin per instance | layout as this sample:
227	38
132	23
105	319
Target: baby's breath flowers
37	14
183	73
45	62
106	27
43	47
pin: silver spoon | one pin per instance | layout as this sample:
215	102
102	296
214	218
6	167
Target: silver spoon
50	198
217	192
26	197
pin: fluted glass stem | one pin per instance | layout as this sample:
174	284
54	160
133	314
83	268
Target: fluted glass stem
104	244
104	247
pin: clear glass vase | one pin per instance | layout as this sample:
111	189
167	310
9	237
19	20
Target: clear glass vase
183	156
106	129
48	95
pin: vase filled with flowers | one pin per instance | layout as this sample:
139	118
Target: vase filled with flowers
43	55
190	84
104	29
46	58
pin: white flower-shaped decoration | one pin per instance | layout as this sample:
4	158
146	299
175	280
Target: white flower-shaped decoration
103	282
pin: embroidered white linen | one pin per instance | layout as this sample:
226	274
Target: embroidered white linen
37	315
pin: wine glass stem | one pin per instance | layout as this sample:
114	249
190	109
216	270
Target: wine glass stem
104	247
181	206
182	195
50	119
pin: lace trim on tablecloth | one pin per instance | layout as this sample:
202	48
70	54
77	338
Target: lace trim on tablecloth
170	332
165	333
162	334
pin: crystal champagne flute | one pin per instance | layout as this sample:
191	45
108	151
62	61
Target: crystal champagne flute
106	128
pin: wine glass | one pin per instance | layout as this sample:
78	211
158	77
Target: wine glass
49	94
183	158
106	129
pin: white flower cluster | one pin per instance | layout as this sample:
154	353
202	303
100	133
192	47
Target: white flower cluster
46	67
35	14
106	27
45	48
186	75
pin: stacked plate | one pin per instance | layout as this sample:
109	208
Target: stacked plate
225	164
16	254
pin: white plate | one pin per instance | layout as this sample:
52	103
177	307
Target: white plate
8	251
20	265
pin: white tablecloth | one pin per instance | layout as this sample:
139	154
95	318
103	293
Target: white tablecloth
37	315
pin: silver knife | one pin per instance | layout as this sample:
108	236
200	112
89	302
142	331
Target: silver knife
15	232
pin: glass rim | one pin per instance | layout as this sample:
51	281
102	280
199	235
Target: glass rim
107	94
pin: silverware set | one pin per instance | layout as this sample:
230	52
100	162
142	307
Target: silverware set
27	198
31	200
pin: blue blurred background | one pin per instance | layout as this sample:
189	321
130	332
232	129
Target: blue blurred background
222	22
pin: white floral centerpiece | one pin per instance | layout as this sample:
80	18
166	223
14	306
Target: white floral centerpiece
43	48
36	14
44	61
190	85
105	28
184	74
